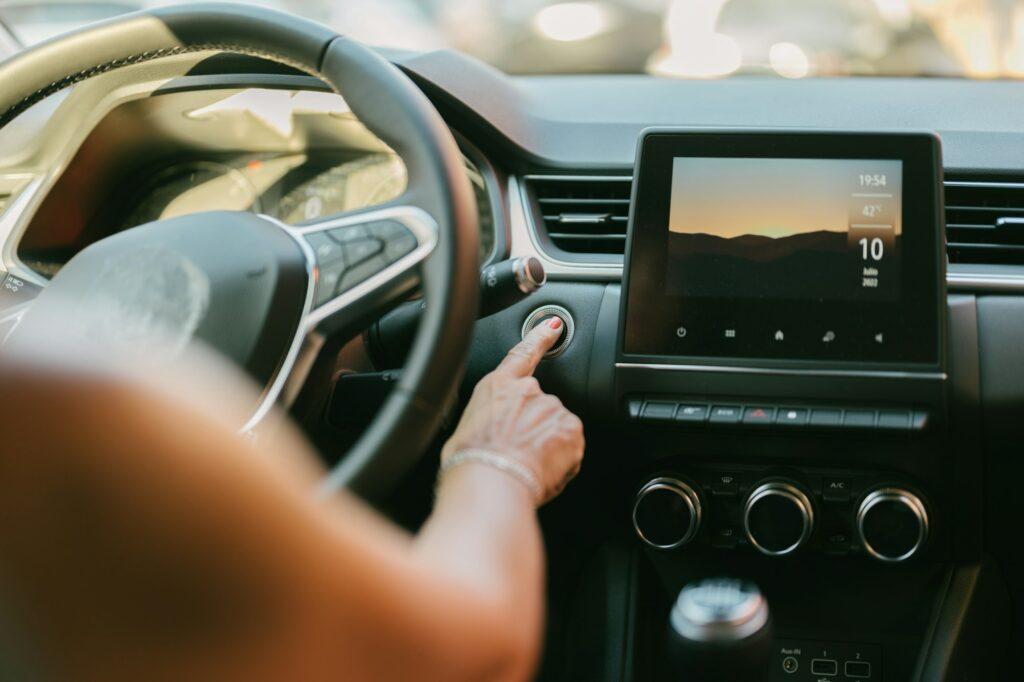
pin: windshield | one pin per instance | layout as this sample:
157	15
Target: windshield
672	38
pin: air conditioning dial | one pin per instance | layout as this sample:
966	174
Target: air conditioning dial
778	518
892	524
666	513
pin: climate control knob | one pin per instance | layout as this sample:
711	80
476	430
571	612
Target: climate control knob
778	518
666	513
892	524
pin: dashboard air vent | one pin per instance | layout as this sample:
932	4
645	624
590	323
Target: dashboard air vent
580	214
985	222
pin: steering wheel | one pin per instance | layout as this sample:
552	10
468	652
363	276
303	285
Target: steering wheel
263	293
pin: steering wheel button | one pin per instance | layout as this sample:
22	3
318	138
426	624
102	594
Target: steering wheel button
362	272
359	250
327	282
349	233
326	249
400	246
387	229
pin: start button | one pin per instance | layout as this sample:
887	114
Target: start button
548	311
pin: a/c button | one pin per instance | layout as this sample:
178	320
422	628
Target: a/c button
835	489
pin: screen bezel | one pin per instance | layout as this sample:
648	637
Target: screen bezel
648	313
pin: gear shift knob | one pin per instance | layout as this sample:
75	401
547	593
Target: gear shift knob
720	629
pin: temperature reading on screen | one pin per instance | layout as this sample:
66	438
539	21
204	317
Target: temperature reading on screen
872	180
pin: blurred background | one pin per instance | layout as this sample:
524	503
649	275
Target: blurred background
672	38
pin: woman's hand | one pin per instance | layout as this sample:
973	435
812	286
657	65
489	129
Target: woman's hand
508	414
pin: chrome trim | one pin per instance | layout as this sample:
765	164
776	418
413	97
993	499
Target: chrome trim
524	236
546	311
419	222
580	178
689	497
791	493
969	282
993	185
526	243
10	222
881	374
907	499
525	281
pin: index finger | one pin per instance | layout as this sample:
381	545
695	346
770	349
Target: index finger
527	354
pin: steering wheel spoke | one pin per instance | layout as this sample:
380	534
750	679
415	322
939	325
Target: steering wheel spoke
361	261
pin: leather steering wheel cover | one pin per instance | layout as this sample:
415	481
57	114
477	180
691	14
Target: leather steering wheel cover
391	107
451	279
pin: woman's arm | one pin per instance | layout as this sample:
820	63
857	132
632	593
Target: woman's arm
141	539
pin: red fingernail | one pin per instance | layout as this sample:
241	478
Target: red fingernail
555	323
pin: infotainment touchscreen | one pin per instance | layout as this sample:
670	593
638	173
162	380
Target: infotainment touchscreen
783	246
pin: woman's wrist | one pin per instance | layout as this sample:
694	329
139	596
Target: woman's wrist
490	469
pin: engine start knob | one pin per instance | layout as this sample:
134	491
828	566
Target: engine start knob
666	513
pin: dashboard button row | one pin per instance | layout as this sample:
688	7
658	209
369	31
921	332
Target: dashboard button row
695	413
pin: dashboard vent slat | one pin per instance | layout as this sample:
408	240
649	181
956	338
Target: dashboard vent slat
581	215
985	222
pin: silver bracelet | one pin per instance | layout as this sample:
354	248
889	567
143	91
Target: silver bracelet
497	461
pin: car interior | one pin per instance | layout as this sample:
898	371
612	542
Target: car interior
793	312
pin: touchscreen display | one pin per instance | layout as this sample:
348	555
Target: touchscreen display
783	248
785	228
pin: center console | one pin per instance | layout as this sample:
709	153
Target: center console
782	348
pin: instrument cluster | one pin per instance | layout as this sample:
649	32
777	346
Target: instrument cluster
294	188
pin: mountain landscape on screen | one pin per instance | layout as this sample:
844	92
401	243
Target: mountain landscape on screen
752	265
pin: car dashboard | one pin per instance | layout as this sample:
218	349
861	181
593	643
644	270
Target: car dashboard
856	457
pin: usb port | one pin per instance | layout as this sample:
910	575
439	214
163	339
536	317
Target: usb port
858	669
824	666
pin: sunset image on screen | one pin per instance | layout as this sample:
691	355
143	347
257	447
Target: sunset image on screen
777	226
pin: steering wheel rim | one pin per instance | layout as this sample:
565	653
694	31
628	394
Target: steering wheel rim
391	107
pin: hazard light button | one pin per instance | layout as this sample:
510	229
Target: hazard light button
759	415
